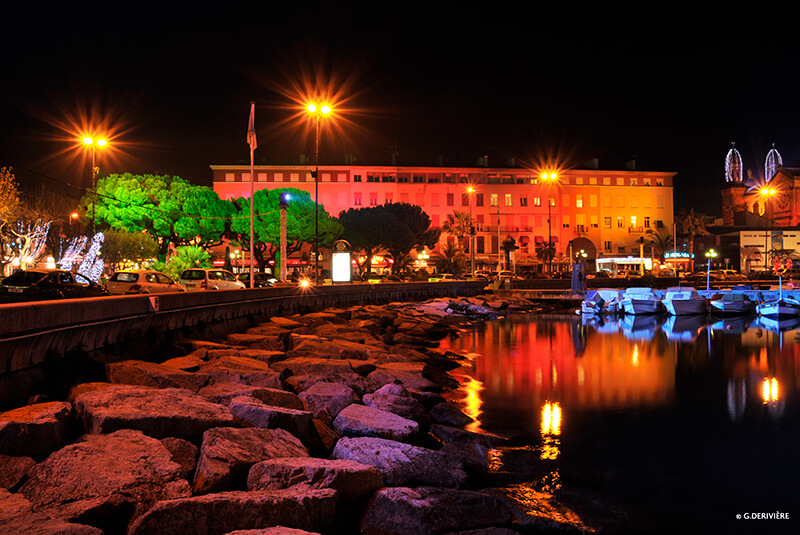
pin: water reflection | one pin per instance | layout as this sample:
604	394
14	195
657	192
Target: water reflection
523	365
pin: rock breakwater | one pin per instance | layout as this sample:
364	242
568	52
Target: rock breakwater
331	422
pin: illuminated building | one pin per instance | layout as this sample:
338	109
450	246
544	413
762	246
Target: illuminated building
604	213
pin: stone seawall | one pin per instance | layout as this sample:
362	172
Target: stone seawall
36	332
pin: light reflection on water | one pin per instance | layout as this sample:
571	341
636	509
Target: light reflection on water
705	411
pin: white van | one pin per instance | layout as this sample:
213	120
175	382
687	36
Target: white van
196	279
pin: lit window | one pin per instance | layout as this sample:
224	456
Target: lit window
493	199
633	221
508	200
579	201
537	201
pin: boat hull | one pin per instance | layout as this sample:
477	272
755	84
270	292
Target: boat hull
638	307
779	309
686	307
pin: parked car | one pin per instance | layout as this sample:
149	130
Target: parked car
260	280
793	274
602	274
442	277
141	282
727	275
44	284
196	279
667	273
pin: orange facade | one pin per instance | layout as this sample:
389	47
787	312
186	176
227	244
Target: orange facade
603	213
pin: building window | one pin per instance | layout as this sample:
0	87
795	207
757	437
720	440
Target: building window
493	199
451	199
229	177
245	177
593	221
356	178
464	199
388	198
388	179
523	201
633	221
607	246
579	201
659	223
479	199
620	181
646	181
606	222
434	199
552	201
593	201
419	179
509	202
357	199
277	177
565	221
480	245
620	222
261	177
646	221
659	182
634	181
537	201
372	178
606	180
373	199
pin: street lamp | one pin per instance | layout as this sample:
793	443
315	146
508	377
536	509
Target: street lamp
766	193
317	112
549	178
470	191
92	144
711	253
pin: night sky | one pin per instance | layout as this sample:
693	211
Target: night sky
458	79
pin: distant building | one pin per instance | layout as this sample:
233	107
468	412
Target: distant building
603	213
759	214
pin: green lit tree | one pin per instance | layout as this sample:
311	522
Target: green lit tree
121	245
170	209
300	223
450	259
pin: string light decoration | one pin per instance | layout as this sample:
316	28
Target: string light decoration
92	265
73	252
733	165
773	162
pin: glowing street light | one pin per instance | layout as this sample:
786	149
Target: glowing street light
711	253
766	193
470	191
92	144
317	111
549	179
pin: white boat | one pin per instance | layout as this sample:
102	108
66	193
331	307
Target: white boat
601	301
684	301
637	301
780	308
731	304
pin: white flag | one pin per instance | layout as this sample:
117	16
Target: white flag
251	129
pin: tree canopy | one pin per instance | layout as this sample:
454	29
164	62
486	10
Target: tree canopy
170	209
300	223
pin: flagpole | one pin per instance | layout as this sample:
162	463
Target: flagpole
251	140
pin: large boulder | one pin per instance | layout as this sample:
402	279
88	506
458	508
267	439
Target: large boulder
304	365
159	413
409	374
17	517
403	464
428	510
360	385
362	421
35	430
254	411
268	342
244	370
278	530
227	454
353	480
326	400
139	372
396	399
222	513
13	470
103	480
450	415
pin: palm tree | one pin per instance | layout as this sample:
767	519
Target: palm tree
692	224
545	252
661	243
458	224
450	259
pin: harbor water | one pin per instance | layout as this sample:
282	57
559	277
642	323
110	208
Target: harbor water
692	420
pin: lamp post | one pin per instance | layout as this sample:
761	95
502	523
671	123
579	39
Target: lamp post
284	203
549	178
92	143
317	111
470	191
766	193
711	253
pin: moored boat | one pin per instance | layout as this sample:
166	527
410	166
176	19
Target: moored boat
731	304
601	301
639	301
780	308
684	301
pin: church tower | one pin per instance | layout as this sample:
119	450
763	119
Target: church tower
733	194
